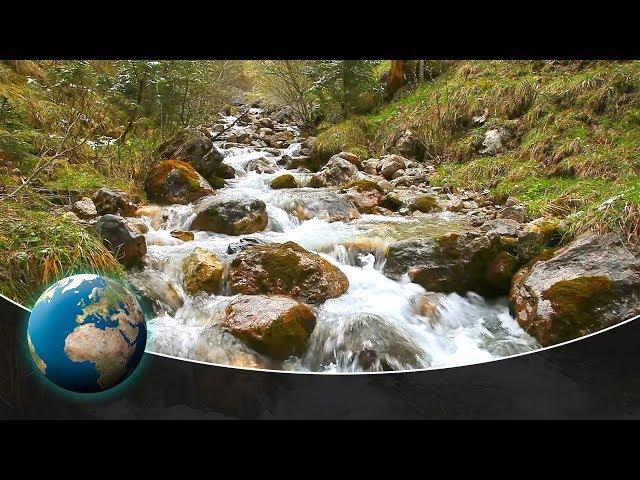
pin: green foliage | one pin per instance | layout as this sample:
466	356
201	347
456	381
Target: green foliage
340	84
38	248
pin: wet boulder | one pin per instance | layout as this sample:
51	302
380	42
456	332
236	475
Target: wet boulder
202	271
225	171
450	263
182	235
276	326
262	165
231	216
286	269
128	247
365	195
158	289
284	181
336	172
364	342
590	284
113	201
306	204
175	181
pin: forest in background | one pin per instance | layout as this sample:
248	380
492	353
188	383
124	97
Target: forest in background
569	130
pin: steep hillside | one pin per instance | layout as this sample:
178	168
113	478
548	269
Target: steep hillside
569	136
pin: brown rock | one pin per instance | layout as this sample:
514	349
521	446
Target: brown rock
182	235
202	271
230	216
286	269
113	201
84	209
175	181
276	325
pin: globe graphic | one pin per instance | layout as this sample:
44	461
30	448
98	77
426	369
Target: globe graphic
86	333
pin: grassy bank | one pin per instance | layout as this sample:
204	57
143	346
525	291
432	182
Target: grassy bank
575	150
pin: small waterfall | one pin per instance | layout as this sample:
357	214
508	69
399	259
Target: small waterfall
378	324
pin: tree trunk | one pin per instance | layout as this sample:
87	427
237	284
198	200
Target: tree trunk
141	84
396	76
421	70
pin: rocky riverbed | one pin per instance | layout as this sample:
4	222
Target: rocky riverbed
257	253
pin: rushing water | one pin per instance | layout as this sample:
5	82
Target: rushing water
376	314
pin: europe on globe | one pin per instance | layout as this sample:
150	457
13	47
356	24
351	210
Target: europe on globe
86	333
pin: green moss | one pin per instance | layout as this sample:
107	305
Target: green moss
424	204
282	267
577	305
284	181
363	185
347	136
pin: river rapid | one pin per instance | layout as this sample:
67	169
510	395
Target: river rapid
376	312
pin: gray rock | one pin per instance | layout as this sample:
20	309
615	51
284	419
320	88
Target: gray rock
592	283
128	247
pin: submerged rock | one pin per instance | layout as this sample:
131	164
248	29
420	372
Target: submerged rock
113	201
175	181
129	247
306	204
364	342
592	283
158	289
262	165
231	216
286	269
450	263
202	271
276	326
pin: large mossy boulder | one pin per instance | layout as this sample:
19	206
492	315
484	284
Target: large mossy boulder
276	326
592	283
194	147
286	269
284	181
175	181
128	246
202	271
452	263
231	216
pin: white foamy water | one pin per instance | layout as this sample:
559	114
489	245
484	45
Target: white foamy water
376	324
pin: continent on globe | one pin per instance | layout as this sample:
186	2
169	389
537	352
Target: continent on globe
86	333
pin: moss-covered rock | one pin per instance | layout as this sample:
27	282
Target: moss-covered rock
537	236
592	283
276	326
175	181
423	203
202	271
286	269
231	216
450	263
284	181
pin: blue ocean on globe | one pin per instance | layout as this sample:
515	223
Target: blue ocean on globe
86	333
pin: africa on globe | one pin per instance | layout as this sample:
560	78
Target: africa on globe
86	333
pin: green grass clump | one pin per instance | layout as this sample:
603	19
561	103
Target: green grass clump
38	247
349	136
